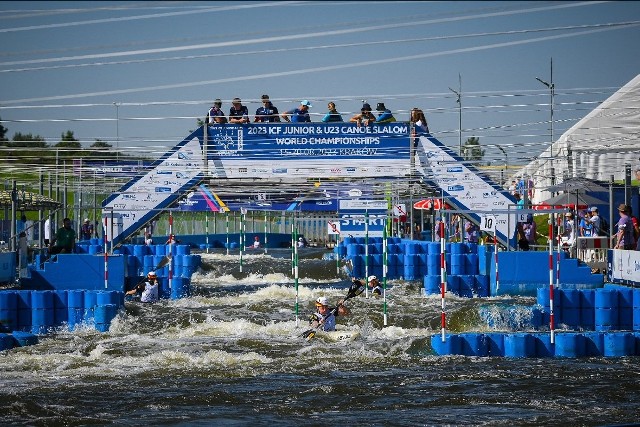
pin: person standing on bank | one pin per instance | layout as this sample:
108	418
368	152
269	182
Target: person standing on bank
298	115
332	115
64	241
87	229
385	115
268	113
325	317
148	290
238	113
624	235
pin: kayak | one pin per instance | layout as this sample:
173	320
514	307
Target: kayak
335	336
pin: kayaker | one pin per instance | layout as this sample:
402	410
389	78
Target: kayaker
325	317
148	289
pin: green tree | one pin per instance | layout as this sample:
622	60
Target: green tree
27	140
101	144
471	150
3	132
68	141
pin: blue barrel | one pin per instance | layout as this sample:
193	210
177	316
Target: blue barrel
140	250
376	260
94	241
433	263
392	248
543	345
181	288
474	344
378	248
457	248
60	307
42	312
432	284
159	250
625	305
107	297
453	285
433	248
472	248
6	342
411	264
482	285
542	297
458	264
161	271
587	309
360	240
450	346
23	339
92	249
619	344
105	313
164	290
24	310
183	249
495	344
471	264
354	250
570	303
569	345
519	345
593	344
90	302
133	265
412	248
9	309
467	285
75	310
349	240
606	310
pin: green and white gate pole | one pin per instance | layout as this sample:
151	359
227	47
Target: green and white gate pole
366	253
384	275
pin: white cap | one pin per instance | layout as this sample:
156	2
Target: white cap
372	278
86	220
322	301
306	103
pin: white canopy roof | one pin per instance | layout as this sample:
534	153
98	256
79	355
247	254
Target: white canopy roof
597	147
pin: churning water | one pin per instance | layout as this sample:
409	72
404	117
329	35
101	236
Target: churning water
232	354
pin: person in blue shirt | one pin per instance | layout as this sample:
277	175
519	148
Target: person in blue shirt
215	115
298	115
238	112
332	115
268	113
385	115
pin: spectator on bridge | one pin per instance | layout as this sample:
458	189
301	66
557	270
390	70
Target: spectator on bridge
595	221
568	237
215	115
238	113
419	121
298	115
624	236
385	115
332	115
365	117
529	229
268	113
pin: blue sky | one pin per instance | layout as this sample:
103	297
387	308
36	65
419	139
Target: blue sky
63	65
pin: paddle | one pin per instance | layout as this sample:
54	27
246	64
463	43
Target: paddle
355	289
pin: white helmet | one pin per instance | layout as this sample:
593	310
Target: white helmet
372	278
322	301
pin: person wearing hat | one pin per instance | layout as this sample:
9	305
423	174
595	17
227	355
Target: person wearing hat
215	116
325	317
385	115
147	289
298	115
268	113
595	221
238	113
374	283
624	237
568	237
365	117
86	230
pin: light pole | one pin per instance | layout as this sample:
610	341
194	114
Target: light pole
552	90
506	159
459	101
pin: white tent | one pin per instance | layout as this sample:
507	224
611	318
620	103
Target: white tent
597	147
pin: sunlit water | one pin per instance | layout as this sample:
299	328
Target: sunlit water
232	354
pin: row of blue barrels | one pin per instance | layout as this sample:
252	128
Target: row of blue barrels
39	311
17	339
82	248
603	309
464	285
524	345
361	240
162	250
183	265
415	266
408	248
